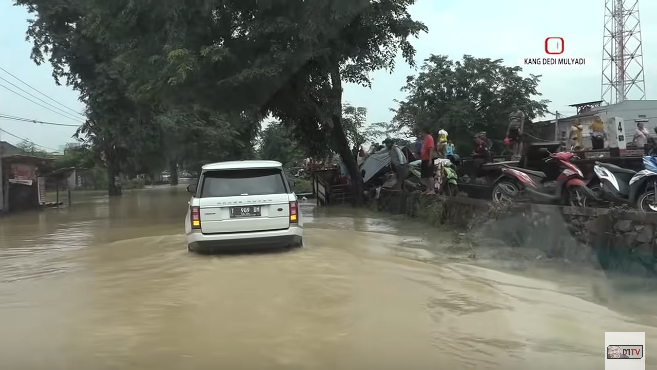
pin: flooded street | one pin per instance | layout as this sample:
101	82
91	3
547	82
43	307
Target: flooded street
109	284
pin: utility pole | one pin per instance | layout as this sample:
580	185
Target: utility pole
556	126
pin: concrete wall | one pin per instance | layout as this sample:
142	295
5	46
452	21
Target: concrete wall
615	240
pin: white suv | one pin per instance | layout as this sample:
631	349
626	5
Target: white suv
242	205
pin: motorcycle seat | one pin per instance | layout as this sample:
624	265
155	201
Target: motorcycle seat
615	169
529	172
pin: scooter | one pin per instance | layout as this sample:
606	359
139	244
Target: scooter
620	185
523	184
451	175
451	183
446	177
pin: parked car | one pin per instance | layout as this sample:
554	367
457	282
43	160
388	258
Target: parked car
243	205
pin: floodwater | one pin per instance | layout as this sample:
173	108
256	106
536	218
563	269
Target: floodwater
109	284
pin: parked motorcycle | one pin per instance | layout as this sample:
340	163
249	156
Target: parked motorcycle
446	177
451	185
523	184
620	185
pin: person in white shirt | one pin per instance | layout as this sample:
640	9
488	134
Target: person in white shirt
398	162
641	135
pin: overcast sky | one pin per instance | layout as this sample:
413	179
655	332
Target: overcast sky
508	29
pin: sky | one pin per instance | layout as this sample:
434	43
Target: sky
507	29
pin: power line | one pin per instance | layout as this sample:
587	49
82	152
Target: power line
42	106
28	85
21	119
37	98
29	141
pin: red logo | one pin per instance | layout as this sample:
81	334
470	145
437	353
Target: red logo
554	45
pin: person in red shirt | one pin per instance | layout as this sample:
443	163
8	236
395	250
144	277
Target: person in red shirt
426	155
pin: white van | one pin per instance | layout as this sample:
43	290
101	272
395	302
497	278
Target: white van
242	205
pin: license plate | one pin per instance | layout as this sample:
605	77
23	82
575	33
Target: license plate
246	211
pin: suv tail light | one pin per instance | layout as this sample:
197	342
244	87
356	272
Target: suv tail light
195	217
294	212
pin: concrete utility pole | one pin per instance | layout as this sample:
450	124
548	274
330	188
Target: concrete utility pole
556	126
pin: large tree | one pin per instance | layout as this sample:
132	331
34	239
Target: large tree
288	58
278	144
468	96
132	128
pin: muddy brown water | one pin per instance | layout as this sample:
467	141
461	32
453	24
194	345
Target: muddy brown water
109	284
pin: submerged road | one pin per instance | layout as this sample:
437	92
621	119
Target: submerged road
109	284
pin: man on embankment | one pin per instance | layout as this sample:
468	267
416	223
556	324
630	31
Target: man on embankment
427	156
398	163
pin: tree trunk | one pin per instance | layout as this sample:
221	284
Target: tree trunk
113	187
173	173
340	137
342	147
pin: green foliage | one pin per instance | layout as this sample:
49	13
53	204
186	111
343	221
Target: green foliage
353	120
303	186
278	144
466	97
169	82
133	184
79	157
28	148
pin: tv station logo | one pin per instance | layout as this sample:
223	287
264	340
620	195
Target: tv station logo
554	48
625	352
628	356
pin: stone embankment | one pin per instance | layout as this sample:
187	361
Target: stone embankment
615	239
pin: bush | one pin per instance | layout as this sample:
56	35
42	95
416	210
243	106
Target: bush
303	186
134	184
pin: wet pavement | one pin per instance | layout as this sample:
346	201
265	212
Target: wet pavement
109	284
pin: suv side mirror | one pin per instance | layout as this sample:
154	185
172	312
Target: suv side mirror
191	188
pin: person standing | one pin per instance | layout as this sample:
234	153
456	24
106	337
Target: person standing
516	130
398	162
576	135
441	147
598	134
641	135
427	168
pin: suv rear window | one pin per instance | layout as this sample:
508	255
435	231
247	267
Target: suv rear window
231	183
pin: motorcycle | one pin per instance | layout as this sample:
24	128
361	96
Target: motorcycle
523	184
446	177
620	185
451	186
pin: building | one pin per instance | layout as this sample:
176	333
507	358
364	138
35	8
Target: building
8	149
630	111
20	185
